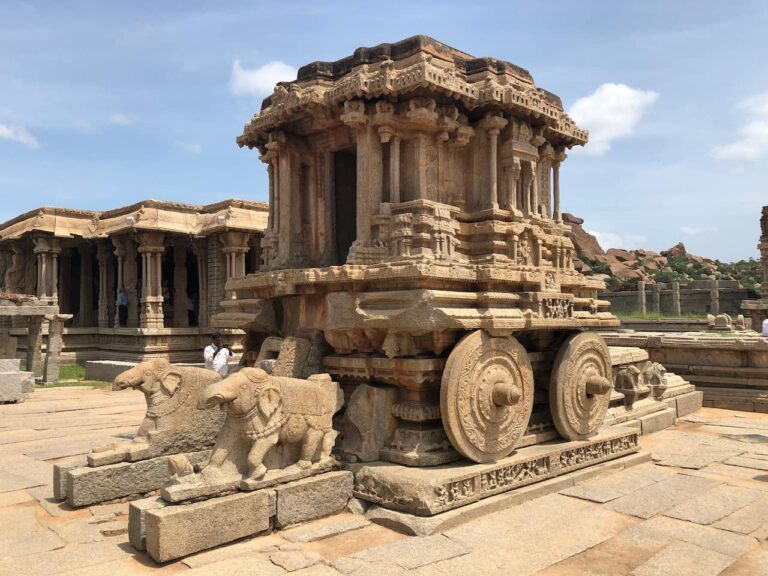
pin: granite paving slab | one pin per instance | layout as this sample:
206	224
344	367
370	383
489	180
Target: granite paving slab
747	519
712	505
746	461
616	485
683	558
662	495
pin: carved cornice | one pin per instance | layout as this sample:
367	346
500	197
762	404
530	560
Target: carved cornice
417	63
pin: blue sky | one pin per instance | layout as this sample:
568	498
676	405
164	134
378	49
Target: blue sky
106	103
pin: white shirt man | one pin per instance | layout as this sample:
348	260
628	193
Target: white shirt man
765	327
216	356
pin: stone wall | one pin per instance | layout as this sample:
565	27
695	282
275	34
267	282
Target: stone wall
692	300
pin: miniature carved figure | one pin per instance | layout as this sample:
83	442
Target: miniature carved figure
172	423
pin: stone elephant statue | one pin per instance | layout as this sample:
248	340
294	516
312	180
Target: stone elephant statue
172	422
264	411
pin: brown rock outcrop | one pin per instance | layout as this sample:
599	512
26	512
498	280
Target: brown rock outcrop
587	246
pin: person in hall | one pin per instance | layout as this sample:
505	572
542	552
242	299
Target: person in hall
217	354
122	307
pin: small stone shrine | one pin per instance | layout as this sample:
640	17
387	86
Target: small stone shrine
416	259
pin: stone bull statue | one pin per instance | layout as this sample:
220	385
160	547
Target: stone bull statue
264	411
172	422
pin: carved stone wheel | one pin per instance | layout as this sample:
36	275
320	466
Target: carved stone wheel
486	396
580	386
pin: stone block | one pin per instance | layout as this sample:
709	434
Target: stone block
137	519
176	531
11	387
313	497
7	346
60	475
689	403
657	421
9	364
27	382
87	485
734	405
105	370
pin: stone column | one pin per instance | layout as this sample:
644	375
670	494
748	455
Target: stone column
103	254
641	297
714	294
47	249
180	316
151	248
65	282
656	299
394	170
34	345
6	259
560	156
534	191
510	198
527	176
200	247
131	280
53	350
676	311
235	247
493	124
85	317
119	244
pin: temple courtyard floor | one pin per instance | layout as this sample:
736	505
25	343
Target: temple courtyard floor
700	507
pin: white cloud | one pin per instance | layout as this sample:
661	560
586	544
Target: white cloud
121	119
259	81
611	240
190	147
753	141
610	113
693	231
18	134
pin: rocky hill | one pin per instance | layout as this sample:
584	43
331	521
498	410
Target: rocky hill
623	268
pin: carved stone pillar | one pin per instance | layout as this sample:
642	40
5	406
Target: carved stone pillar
130	281
676	299
103	255
534	191
394	170
151	248
714	293
118	243
85	316
235	247
6	259
656	299
47	250
560	156
200	247
35	345
493	124
50	373
527	176
641	297
180	316
509	195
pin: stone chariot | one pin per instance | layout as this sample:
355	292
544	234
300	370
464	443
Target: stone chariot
415	245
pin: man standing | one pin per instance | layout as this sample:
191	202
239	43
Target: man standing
216	355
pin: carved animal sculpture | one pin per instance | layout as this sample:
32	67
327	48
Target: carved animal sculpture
264	411
172	423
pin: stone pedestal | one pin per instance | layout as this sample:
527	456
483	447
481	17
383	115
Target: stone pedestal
174	531
429	491
87	485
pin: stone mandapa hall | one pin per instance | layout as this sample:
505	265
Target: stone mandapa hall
172	259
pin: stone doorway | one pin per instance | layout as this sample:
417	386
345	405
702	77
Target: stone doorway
345	201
